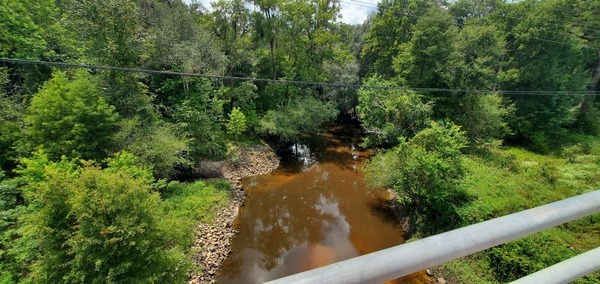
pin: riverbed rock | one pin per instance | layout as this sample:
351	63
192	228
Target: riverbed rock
441	280
213	241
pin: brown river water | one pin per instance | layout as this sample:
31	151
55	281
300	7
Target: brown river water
312	211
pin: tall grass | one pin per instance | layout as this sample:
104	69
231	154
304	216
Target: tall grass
507	180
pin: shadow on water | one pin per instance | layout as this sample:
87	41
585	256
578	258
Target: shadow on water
312	211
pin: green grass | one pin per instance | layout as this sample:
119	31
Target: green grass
508	180
188	204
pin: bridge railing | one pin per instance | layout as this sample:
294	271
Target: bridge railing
398	261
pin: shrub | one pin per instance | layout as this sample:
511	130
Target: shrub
71	118
90	225
234	153
237	122
550	172
301	115
387	114
517	259
427	173
157	145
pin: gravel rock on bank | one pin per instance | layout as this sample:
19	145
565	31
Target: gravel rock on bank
213	241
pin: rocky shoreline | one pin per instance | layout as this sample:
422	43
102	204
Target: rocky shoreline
212	245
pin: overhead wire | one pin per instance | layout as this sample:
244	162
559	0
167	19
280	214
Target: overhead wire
297	82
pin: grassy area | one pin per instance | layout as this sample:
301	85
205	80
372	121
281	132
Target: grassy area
187	204
508	180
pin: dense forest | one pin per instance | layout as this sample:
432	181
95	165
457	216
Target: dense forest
476	109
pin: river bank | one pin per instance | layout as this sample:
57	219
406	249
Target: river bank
213	241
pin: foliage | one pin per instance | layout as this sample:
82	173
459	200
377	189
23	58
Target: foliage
421	61
234	153
24	27
427	172
510	179
94	225
11	123
11	209
170	122
71	118
534	65
485	118
387	114
301	115
158	147
237	122
392	26
186	204
520	258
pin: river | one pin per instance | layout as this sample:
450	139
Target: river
312	211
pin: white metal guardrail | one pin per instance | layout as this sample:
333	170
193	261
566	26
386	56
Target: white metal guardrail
398	261
566	271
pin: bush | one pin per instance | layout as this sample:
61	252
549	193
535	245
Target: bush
484	118
550	172
237	122
234	153
517	259
427	172
71	118
157	145
301	115
90	225
186	204
387	114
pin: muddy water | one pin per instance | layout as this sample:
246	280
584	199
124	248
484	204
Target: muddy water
314	210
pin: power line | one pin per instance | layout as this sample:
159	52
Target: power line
294	82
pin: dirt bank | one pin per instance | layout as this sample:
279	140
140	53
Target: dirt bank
212	243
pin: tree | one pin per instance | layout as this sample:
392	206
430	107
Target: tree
392	26
237	122
427	172
421	61
159	146
536	65
474	64
71	118
387	113
24	28
301	115
96	225
11	123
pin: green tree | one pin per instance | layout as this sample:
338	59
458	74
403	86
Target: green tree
388	113
392	26
421	61
92	225
11	123
24	28
474	64
160	146
71	118
237	122
534	64
427	172
301	115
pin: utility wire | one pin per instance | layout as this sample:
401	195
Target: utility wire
294	82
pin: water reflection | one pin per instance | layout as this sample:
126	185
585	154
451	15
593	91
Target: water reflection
314	210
